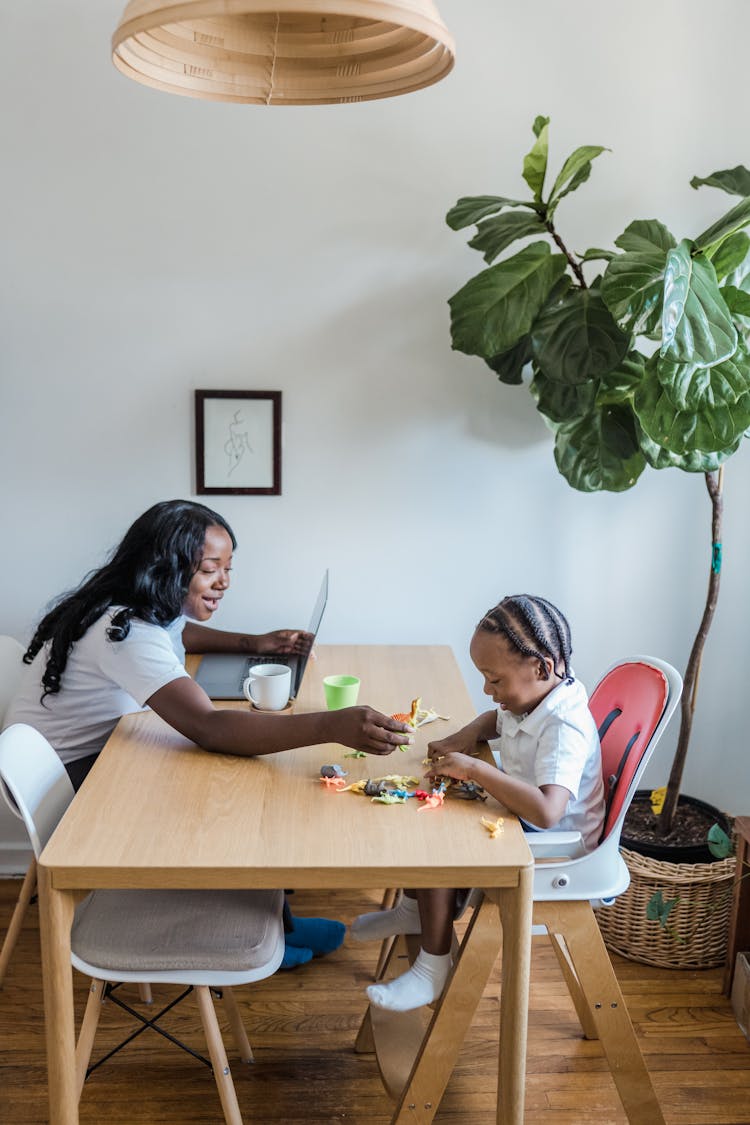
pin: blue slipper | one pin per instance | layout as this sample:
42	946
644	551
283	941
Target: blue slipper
321	935
294	956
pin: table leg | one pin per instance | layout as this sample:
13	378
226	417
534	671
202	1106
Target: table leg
55	920
515	913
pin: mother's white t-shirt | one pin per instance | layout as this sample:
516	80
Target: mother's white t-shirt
103	680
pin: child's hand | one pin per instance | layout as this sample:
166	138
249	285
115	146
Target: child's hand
458	766
458	743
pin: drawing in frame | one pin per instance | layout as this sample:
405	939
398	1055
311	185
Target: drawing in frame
238	443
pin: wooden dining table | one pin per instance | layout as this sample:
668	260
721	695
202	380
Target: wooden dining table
157	811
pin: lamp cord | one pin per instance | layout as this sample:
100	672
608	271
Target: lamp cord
269	95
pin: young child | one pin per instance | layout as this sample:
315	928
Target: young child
550	772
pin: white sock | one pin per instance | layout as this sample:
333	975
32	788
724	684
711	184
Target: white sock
422	984
403	919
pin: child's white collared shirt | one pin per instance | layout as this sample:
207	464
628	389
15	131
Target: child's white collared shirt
557	744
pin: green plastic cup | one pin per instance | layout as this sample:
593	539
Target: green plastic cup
341	691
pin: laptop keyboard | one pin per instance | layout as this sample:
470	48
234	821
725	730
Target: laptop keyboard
265	658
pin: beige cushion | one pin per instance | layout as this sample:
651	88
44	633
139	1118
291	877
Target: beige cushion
229	931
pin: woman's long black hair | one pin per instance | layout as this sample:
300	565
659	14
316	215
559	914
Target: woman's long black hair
148	575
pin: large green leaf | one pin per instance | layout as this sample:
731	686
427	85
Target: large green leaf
734	220
633	288
471	208
578	338
509	365
575	171
660	458
736	181
497	308
689	409
730	255
561	402
696	324
493	235
645	236
535	161
620	384
600	450
737	300
594	254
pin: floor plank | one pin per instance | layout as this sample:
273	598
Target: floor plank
302	1025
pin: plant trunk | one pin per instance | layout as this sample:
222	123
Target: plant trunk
714	483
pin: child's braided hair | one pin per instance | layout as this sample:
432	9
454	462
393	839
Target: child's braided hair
534	627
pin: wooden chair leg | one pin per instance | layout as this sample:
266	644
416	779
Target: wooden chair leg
574	986
390	898
144	991
239	1032
11	937
593	969
452	1018
218	1056
88	1031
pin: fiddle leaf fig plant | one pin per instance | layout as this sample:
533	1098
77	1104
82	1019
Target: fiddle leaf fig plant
644	364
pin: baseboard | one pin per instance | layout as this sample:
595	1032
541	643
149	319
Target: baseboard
14	859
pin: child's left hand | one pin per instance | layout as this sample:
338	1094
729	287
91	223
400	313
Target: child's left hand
461	767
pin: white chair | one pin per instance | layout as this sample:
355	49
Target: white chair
11	667
205	940
632	705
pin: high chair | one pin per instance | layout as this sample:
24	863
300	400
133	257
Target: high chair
632	705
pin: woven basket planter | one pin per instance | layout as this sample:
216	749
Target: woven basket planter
698	926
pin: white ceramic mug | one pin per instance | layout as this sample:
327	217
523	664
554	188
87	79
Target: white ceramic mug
268	686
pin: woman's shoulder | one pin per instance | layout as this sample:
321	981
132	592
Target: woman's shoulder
105	629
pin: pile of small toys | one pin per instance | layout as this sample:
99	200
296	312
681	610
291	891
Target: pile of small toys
397	789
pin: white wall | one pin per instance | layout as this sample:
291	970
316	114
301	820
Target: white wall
154	244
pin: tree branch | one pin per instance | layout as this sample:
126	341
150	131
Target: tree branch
574	264
714	483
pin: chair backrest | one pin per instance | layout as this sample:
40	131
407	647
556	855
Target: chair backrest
11	667
631	705
36	779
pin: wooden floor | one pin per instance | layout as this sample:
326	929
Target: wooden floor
302	1025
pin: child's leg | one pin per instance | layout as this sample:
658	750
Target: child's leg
425	980
436	909
402	919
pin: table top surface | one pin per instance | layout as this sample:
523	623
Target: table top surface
157	811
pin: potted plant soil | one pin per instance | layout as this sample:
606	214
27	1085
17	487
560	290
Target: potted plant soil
637	357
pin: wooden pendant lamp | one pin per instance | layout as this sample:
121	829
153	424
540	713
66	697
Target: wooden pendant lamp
283	52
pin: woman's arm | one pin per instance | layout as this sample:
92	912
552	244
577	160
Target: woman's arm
186	707
199	639
542	806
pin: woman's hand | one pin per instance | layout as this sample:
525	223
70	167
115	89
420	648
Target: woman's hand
362	728
285	641
461	767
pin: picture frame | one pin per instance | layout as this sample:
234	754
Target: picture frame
238	443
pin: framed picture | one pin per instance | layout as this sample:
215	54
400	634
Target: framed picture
238	443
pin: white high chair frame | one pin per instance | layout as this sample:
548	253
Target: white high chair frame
568	886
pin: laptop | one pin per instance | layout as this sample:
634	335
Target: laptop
221	674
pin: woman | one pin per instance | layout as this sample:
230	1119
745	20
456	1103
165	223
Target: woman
117	644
